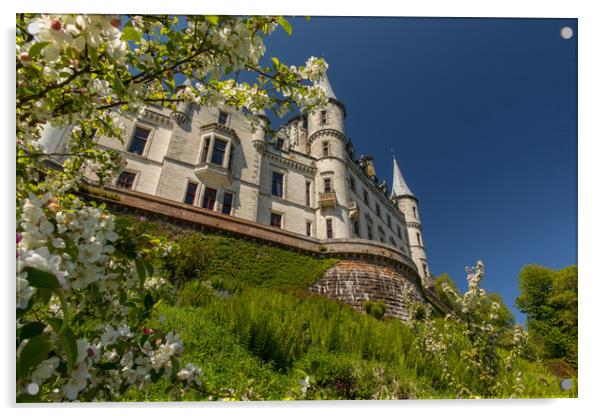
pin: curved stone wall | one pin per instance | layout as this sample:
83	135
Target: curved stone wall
355	281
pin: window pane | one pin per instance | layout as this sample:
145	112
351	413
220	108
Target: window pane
209	198
277	180
190	193
219	151
126	180
327	187
276	220
205	149
222	118
138	142
227	204
328	228
308	229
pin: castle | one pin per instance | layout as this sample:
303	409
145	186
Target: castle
305	179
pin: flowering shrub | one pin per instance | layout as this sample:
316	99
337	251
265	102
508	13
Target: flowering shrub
85	283
472	331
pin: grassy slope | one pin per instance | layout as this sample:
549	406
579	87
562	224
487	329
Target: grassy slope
269	333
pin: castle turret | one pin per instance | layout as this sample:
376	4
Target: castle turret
327	143
408	204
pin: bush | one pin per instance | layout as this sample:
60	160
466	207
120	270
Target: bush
186	259
375	309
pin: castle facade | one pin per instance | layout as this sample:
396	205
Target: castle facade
305	179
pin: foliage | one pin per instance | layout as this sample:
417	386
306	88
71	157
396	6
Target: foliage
85	283
375	309
477	315
269	344
185	260
549	298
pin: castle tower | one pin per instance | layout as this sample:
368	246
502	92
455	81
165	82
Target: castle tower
327	143
408	204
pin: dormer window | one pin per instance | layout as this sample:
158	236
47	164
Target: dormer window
323	117
280	143
222	118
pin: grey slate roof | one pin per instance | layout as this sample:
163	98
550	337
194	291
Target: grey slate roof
400	187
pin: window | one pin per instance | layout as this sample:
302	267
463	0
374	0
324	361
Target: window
304	123
280	143
209	198
308	228
378	210
327	185
325	148
418	237
352	183
392	241
276	220
222	118
126	180
424	269
329	228
277	184
414	209
139	140
231	158
227	203
308	193
190	193
366	197
369	232
206	144
219	152
323	117
388	220
398	231
356	228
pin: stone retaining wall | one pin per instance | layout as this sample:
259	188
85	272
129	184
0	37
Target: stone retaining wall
356	281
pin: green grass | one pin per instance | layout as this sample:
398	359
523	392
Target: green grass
247	320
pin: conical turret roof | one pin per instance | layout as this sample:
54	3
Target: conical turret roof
324	83
400	187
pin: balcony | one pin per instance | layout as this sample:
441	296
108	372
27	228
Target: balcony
353	210
327	199
214	174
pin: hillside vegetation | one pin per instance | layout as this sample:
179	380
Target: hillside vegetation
247	320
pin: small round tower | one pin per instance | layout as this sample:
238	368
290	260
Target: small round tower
328	144
408	205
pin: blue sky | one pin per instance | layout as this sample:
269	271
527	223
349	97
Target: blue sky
482	115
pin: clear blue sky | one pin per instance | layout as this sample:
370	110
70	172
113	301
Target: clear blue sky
482	115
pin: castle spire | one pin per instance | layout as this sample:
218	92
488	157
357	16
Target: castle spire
400	187
324	83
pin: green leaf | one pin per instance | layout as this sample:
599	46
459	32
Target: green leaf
148	301
33	353
108	366
67	340
93	52
41	279
31	330
141	270
129	33
285	25
36	49
212	19
71	248
150	270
